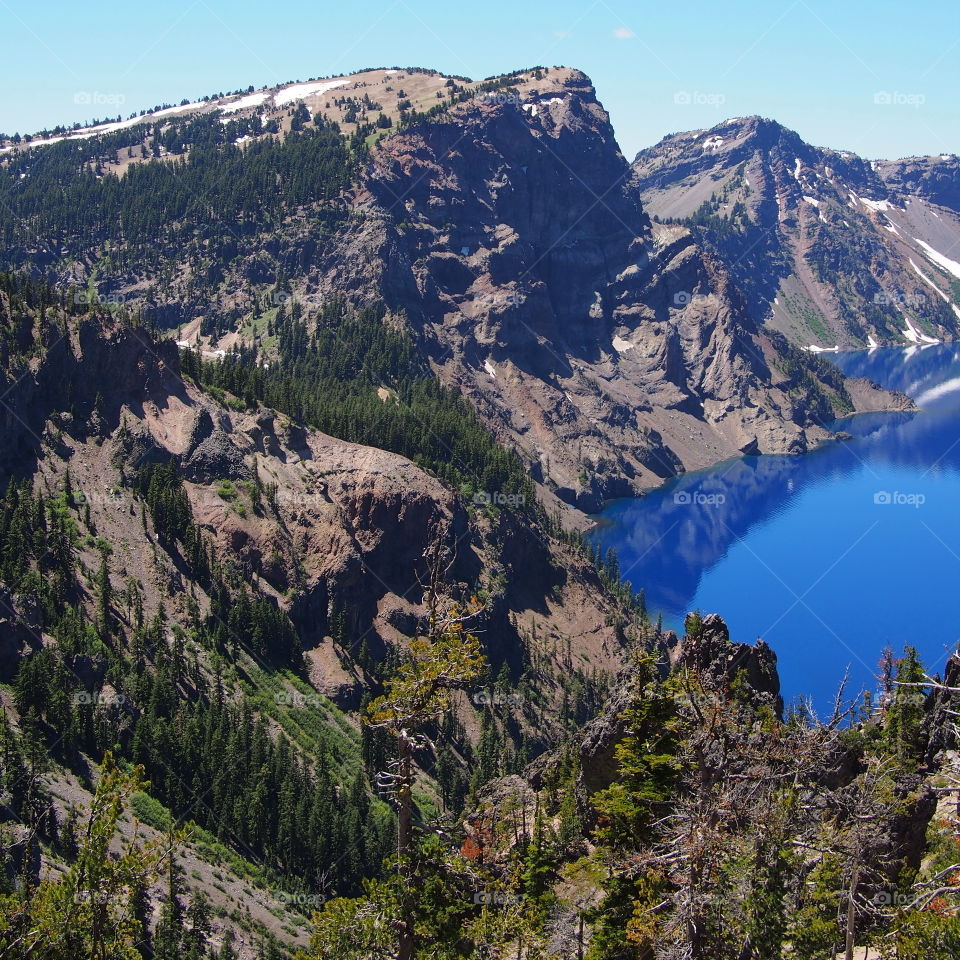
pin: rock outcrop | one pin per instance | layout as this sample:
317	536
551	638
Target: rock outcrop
830	248
328	530
613	352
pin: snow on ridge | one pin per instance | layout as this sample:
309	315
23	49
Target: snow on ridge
883	205
83	133
244	103
951	266
923	276
300	91
170	111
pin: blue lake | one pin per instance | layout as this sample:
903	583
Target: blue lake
829	557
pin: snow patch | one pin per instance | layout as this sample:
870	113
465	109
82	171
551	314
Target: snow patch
813	202
245	103
796	169
621	345
914	335
813	348
170	111
300	91
489	367
876	204
951	266
923	276
531	108
871	343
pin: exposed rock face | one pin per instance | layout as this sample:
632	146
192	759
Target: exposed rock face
831	249
713	656
936	179
612	351
710	653
337	528
598	763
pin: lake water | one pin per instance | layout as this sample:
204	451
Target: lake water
829	557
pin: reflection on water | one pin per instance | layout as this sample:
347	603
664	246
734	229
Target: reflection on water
829	556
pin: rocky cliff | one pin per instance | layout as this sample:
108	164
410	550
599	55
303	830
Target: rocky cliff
831	249
324	528
612	351
498	220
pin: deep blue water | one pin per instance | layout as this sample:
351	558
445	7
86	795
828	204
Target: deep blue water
831	556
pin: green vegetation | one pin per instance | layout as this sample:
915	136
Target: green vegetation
328	378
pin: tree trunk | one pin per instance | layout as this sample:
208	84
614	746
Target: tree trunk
405	840
851	912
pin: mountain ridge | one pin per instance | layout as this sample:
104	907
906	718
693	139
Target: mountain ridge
832	248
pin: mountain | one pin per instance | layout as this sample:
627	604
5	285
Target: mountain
829	248
496	222
176	564
301	652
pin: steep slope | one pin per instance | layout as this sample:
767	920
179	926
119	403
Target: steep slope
499	225
175	561
830	249
612	351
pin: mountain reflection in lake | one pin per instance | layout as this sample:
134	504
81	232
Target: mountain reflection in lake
830	556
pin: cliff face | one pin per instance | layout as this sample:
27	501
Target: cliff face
506	227
830	248
337	529
612	351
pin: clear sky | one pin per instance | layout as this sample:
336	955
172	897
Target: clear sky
879	78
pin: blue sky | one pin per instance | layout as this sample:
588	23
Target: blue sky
878	78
